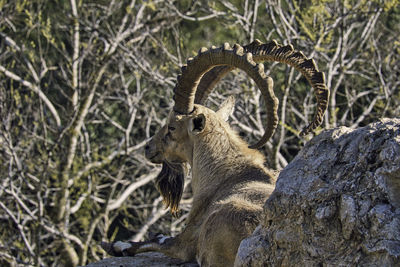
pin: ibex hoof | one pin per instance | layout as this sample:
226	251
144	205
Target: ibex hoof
117	249
154	236
108	247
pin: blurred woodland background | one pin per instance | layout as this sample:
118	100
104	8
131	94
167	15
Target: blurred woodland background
84	84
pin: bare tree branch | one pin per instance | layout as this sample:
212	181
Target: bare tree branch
37	90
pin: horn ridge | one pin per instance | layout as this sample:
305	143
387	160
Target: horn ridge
283	52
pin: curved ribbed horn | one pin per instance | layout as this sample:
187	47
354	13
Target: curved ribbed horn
272	51
185	89
208	82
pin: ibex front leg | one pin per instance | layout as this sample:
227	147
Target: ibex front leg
131	248
180	247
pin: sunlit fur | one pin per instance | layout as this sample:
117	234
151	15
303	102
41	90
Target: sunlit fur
229	182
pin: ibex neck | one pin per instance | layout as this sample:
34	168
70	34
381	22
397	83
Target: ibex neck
216	159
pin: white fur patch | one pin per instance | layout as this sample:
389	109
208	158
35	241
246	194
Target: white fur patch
121	246
146	246
162	239
198	260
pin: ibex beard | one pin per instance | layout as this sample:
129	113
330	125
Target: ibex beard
229	181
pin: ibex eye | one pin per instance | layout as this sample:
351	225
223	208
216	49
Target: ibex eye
170	128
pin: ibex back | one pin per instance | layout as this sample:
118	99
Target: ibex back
229	181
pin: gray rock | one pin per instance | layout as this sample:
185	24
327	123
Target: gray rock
336	204
143	259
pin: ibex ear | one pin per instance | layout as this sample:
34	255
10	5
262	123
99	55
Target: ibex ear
227	108
197	124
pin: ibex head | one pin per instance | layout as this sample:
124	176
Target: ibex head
174	141
173	145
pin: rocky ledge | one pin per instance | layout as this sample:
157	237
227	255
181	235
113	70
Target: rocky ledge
336	204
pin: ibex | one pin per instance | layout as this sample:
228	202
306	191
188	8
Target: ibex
229	181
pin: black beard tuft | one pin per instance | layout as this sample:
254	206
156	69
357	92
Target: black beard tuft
170	183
